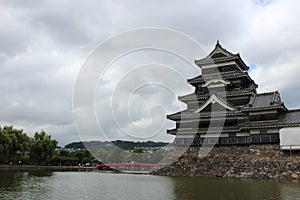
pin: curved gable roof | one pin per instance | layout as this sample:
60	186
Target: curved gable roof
214	99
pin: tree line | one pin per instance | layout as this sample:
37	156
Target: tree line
17	147
125	145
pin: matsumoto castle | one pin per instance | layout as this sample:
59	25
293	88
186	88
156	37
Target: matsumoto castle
226	109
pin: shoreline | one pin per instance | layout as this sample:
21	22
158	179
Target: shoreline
64	168
44	167
92	168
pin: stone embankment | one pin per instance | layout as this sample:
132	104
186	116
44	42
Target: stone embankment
255	161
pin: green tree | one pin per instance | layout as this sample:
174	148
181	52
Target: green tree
138	150
42	148
4	146
64	158
84	156
14	144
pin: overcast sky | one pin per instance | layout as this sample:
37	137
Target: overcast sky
43	45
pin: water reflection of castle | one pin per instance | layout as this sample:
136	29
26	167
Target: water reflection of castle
226	101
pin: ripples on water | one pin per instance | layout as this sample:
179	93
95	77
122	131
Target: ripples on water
99	185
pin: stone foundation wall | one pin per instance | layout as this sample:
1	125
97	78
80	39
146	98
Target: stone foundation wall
255	161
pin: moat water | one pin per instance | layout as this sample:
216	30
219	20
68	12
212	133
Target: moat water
100	185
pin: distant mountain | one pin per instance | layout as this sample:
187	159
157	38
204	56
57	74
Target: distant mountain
126	145
130	145
75	145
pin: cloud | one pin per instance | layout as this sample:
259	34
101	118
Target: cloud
44	44
140	93
263	2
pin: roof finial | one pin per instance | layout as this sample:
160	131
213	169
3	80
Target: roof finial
218	43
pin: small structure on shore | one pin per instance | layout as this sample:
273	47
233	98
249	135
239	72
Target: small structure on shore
226	109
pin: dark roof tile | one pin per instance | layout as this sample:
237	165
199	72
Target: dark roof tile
271	99
292	116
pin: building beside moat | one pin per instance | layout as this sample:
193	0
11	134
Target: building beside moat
226	109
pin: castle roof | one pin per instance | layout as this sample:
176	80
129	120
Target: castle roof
223	75
270	100
219	55
286	119
290	117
